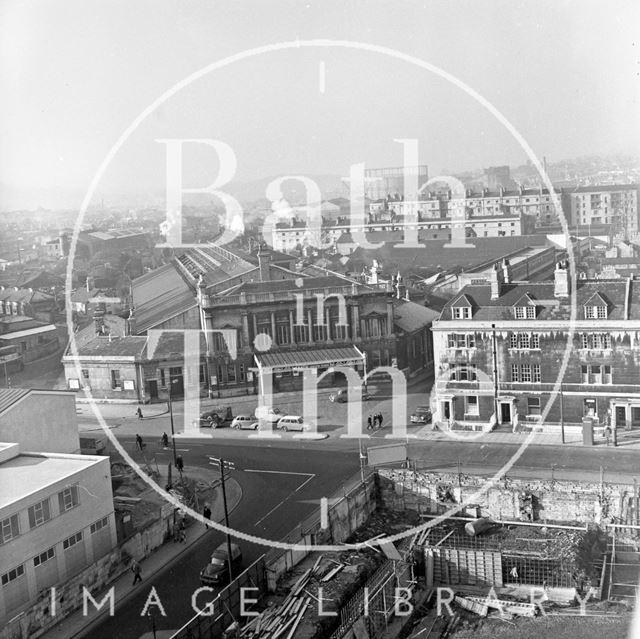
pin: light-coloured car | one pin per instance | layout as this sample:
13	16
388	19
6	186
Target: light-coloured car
342	396
293	422
268	414
244	421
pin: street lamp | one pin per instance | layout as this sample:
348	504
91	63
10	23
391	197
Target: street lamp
224	466
173	439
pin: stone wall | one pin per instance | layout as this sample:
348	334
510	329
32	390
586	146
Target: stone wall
561	501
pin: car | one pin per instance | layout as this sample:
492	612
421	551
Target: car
217	570
268	414
244	421
92	445
421	415
216	416
293	422
342	396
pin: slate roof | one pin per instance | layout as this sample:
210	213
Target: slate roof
548	307
310	357
410	317
160	294
100	346
274	286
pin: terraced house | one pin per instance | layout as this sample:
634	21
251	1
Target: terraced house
499	350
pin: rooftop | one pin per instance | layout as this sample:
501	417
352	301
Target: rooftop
130	346
26	473
410	317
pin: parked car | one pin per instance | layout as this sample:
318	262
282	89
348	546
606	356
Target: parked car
268	414
421	415
293	422
216	416
217	570
92	446
342	396
244	421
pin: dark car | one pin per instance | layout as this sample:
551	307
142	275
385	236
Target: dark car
217	570
421	415
216	416
342	396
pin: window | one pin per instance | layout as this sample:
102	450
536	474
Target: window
595	340
606	374
463	374
99	525
231	372
524	340
72	541
9	529
535	373
593	312
596	374
533	406
116	382
163	382
471	405
68	498
590	408
462	340
39	513
12	575
525	372
282	332
242	374
44	556
515	373
525	312
535	340
461	312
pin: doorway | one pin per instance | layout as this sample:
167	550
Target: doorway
153	389
446	410
505	412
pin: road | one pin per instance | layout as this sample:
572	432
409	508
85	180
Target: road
272	504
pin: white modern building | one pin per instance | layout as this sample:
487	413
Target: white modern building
56	519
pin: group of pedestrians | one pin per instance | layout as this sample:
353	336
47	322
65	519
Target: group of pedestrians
374	421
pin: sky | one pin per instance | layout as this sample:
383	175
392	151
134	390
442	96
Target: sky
75	74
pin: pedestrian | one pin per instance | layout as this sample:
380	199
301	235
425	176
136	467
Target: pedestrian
514	573
369	423
607	434
139	413
206	513
139	442
165	440
137	572
182	533
375	421
380	419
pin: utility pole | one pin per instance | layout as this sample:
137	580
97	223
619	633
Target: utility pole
495	370
223	466
173	439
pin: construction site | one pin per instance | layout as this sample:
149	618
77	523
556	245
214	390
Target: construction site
415	558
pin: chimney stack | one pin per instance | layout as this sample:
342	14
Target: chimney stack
561	280
131	323
495	280
264	260
506	271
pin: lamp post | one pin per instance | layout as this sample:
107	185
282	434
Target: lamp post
223	466
173	439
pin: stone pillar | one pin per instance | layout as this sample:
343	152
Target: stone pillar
389	317
246	340
326	319
255	325
273	327
292	327
355	322
310	320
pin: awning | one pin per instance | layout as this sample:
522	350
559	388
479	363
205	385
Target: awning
325	357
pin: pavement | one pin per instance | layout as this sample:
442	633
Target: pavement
76	624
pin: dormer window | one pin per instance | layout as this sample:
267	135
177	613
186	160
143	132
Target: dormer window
524	308
596	308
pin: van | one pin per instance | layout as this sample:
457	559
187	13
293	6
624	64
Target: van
92	446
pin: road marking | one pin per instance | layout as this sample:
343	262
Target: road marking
309	476
323	76
278	472
324	513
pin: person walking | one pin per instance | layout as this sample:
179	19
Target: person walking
607	434
136	569
375	421
139	442
206	513
380	419
139	413
369	426
165	440
182	533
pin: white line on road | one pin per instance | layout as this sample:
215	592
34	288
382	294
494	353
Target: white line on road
309	476
278	472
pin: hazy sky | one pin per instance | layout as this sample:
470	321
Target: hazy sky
75	74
